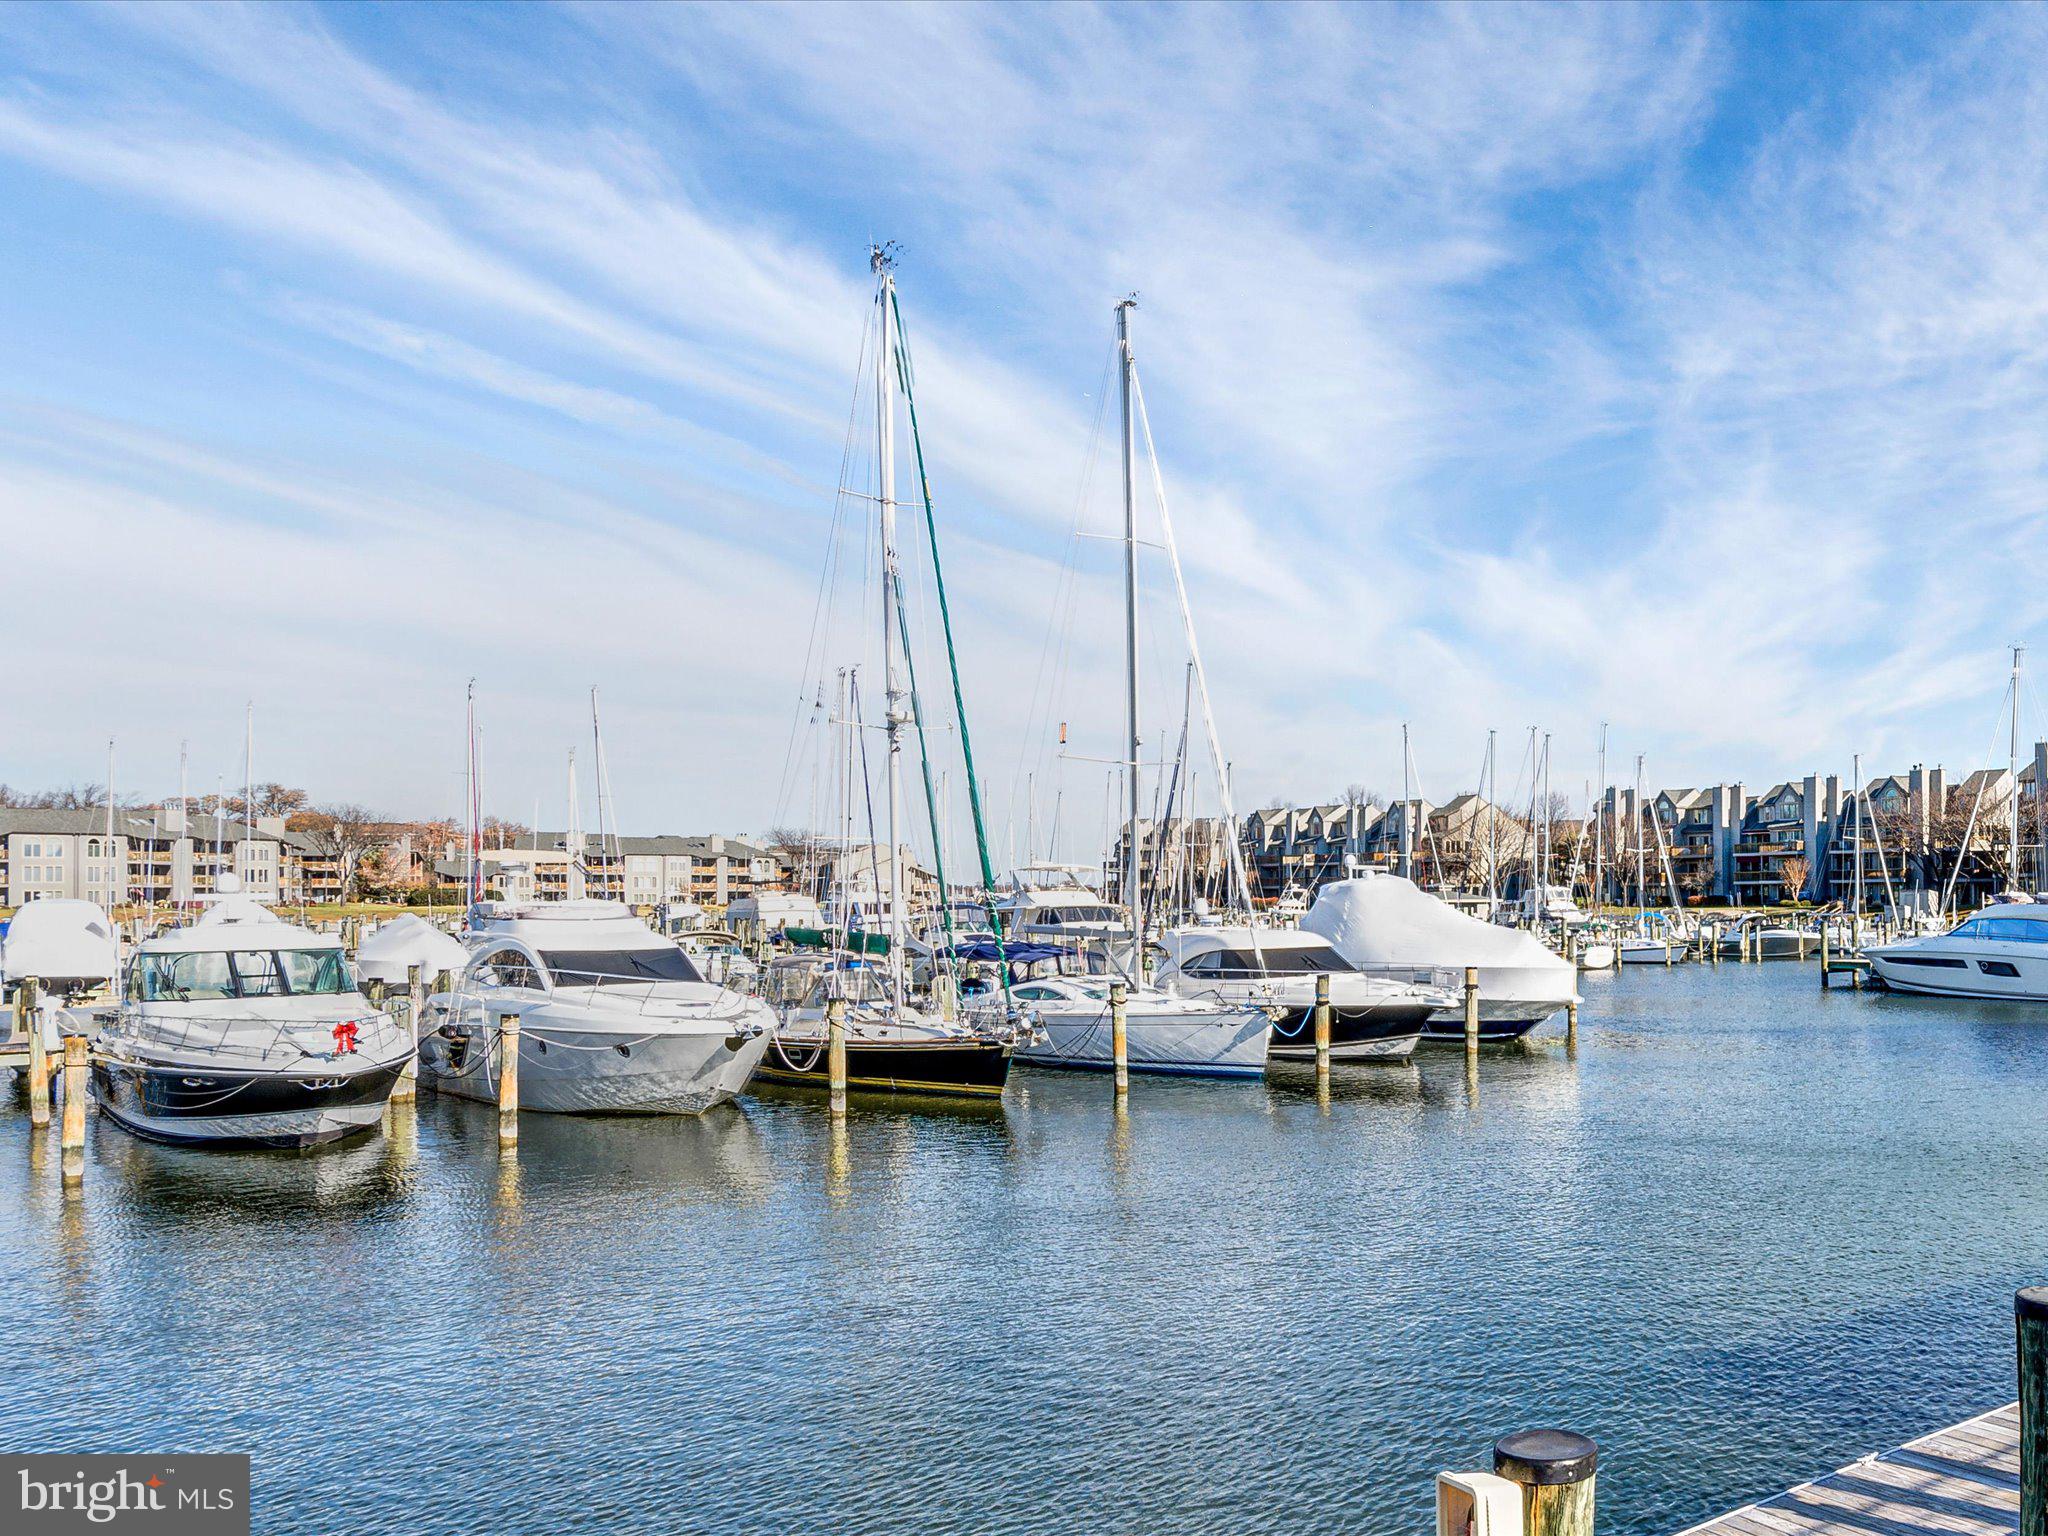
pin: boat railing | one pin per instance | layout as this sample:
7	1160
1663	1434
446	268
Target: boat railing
607	992
1442	978
263	1040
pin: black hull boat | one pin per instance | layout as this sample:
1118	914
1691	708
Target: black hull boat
1356	1034
964	1066
205	1105
1491	1031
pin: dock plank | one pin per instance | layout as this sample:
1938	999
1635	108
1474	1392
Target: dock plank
1959	1481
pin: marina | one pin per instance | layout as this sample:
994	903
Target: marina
1730	1259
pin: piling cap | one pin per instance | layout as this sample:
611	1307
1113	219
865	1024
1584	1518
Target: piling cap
2031	1304
1543	1458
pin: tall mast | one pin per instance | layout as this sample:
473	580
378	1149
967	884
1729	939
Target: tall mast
113	896
1126	366
470	850
1407	811
1856	779
573	837
249	775
892	689
1545	881
1641	891
2013	771
186	829
1492	777
1600	826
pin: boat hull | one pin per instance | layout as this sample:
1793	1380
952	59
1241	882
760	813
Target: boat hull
633	1069
945	1066
1941	976
1384	1033
1230	1043
201	1105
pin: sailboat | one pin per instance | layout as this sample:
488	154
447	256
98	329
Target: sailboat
1172	1029
892	1043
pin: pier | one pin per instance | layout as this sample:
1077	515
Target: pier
1959	1481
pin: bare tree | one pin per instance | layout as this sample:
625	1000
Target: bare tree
1356	795
344	830
1792	872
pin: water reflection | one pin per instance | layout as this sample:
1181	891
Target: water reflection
1711	1239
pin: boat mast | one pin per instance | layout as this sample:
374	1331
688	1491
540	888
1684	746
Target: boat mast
249	785
1642	892
1126	363
1544	884
1492	777
573	838
113	894
892	689
1856	918
470	851
2013	772
1407	831
1600	827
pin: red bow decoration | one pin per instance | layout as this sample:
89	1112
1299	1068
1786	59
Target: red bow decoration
345	1038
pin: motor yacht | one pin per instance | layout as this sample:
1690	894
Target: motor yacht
1048	904
613	1018
246	1030
1386	925
2002	952
1276	970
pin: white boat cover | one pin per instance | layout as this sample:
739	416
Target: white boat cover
1378	919
59	940
408	941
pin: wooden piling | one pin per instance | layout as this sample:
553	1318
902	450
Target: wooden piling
835	1052
1571	1025
1323	1023
38	1052
408	1084
1472	1011
1119	1035
508	1079
75	1056
1555	1470
1823	957
2030	1313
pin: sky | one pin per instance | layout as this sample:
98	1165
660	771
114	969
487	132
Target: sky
1674	369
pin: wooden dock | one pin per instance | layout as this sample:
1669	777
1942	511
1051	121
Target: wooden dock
1961	1481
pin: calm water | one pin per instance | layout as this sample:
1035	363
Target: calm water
1749	1232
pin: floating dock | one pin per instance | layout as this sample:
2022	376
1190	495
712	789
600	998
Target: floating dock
1961	1481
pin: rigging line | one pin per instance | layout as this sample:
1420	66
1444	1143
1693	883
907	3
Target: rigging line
1046	691
952	660
1970	828
1235	852
868	794
820	616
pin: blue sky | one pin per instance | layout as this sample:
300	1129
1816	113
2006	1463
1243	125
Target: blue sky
1678	368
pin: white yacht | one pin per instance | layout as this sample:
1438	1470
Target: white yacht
1275	969
2002	952
69	948
1048	903
1385	924
246	1030
613	1018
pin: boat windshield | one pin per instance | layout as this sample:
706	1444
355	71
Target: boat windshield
209	975
1291	960
618	967
1054	917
